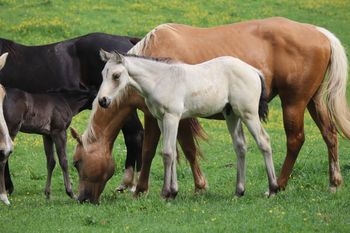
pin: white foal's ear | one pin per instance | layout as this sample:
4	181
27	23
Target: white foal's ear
105	56
3	60
118	57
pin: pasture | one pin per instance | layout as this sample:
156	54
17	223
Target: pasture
305	206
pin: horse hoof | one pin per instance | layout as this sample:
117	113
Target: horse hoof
3	198
121	188
239	193
169	195
333	189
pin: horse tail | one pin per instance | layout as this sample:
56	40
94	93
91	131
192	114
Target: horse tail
198	133
263	101
334	86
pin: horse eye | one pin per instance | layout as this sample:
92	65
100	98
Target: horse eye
75	164
115	76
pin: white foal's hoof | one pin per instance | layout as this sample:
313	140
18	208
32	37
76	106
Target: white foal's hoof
3	197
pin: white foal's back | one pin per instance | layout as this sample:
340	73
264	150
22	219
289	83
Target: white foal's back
204	89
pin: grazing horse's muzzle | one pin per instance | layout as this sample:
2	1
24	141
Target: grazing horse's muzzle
104	102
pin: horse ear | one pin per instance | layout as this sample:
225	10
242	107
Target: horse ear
118	57
105	56
76	135
3	60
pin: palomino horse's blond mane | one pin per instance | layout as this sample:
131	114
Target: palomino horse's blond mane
139	48
89	136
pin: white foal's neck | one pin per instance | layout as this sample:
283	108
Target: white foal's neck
145	73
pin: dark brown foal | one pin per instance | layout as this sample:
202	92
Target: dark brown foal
48	114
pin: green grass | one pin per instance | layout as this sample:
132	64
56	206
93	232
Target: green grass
305	206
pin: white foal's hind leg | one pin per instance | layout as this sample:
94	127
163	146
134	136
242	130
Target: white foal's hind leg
263	141
234	126
169	126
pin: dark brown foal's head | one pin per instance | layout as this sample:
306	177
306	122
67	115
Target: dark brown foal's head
94	169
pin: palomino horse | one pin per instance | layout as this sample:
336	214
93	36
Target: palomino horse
71	65
177	91
294	58
6	144
48	114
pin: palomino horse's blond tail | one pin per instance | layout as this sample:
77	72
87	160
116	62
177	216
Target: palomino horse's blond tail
335	86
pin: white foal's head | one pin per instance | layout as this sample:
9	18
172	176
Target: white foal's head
115	78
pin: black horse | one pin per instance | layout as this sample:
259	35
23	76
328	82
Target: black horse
70	64
48	114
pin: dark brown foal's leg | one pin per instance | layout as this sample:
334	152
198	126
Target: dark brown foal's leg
60	139
188	145
50	163
293	120
319	114
150	142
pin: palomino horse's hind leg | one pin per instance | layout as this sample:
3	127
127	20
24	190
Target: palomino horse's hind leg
150	142
235	129
60	140
169	127
263	141
133	137
50	163
186	139
318	112
293	120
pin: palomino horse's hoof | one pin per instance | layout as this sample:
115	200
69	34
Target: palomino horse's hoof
121	188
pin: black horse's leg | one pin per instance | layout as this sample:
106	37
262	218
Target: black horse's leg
8	181
59	138
50	163
133	137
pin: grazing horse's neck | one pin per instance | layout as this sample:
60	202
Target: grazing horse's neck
144	73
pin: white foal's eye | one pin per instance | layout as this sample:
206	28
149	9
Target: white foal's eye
115	76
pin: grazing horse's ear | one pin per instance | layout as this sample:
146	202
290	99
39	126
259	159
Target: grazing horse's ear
105	56
76	135
3	60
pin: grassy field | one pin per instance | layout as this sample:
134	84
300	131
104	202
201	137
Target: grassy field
305	206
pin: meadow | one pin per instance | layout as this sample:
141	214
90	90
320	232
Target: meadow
305	206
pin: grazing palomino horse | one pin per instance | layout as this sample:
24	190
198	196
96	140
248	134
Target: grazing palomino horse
6	144
296	59
176	91
71	64
48	114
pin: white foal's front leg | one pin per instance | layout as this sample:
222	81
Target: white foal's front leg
169	126
263	141
234	126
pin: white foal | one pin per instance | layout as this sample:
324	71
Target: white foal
6	144
174	91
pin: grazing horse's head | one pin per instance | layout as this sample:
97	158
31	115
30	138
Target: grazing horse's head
115	78
93	167
6	144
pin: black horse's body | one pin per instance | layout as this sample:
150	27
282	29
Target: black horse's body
71	64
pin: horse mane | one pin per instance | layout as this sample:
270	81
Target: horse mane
89	135
141	46
166	60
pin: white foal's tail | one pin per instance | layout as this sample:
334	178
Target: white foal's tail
335	88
